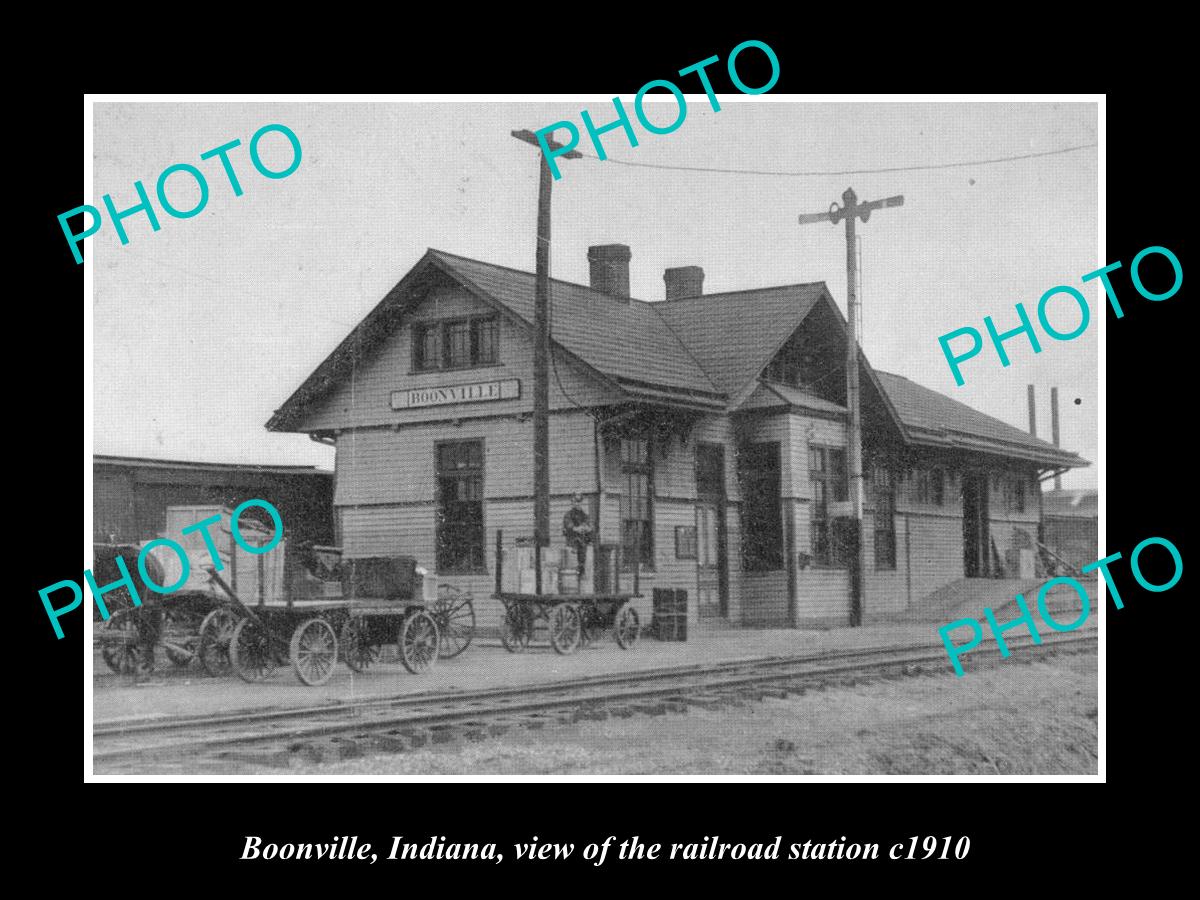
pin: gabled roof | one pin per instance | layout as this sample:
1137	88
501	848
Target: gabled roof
706	352
772	394
734	335
629	342
627	346
933	419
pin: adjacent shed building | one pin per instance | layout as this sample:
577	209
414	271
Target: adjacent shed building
1071	525
707	432
131	495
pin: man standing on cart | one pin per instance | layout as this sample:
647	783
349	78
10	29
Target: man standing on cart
577	530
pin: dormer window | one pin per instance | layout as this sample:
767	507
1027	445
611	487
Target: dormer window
456	344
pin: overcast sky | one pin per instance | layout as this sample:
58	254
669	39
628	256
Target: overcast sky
205	327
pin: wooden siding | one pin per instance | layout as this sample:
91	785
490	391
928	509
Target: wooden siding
764	599
364	396
822	594
719	430
885	590
114	509
385	495
935	542
383	465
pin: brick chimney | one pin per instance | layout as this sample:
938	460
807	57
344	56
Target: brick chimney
609	264
685	281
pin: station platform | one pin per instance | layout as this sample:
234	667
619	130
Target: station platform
485	664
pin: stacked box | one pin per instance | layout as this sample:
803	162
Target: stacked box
670	614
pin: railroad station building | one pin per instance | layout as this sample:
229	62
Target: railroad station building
707	433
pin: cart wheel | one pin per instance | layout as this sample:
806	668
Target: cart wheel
127	658
250	653
454	613
418	641
516	629
628	626
215	633
565	628
314	651
357	650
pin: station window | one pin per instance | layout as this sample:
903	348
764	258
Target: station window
456	344
457	351
827	475
1014	494
762	513
484	338
427	351
460	538
931	486
637	522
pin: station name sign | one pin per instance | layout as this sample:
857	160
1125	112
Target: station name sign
509	389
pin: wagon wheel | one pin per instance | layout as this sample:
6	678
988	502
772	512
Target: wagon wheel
516	629
357	650
566	628
418	641
250	652
128	657
313	651
454	613
215	632
628	627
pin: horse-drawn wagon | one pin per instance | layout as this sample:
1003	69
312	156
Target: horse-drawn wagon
294	604
329	609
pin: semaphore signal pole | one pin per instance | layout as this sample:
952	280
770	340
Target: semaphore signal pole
850	210
541	355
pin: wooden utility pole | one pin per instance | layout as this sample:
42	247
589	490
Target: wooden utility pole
850	210
1054	430
1032	413
541	355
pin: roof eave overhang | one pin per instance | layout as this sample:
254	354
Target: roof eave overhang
692	399
957	441
748	389
291	413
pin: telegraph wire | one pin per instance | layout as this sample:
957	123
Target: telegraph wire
953	165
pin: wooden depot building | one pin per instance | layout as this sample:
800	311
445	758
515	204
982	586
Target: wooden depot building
707	433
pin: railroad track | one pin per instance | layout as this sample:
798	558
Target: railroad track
412	720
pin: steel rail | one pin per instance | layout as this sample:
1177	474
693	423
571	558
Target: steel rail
415	711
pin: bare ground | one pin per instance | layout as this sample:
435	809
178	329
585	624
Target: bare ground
1015	718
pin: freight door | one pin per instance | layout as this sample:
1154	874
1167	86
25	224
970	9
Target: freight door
708	573
976	539
712	579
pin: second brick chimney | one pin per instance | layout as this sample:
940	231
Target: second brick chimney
609	265
685	281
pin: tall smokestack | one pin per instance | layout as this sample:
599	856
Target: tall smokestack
1054	429
609	269
1032	412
